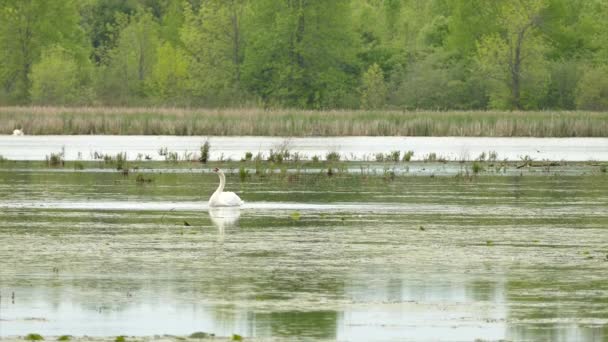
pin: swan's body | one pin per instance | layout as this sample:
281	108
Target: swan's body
17	132
221	198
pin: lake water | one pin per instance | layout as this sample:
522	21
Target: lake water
362	148
347	257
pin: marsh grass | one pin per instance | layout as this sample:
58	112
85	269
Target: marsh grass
55	159
259	122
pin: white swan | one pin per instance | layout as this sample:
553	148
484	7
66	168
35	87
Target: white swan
220	198
17	132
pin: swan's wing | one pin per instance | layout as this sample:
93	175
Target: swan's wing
230	199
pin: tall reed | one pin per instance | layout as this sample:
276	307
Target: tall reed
177	121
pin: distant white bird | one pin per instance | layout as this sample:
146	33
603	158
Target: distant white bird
221	198
17	132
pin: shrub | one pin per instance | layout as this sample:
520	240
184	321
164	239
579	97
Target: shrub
408	156
205	152
332	156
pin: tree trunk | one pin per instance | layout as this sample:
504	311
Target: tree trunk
516	74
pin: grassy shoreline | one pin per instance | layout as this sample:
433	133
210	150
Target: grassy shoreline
259	122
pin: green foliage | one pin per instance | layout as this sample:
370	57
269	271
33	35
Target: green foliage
169	81
205	152
26	29
407	156
58	79
131	62
458	54
373	91
64	338
331	157
34	337
200	334
592	91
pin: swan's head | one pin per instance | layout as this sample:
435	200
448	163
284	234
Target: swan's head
216	170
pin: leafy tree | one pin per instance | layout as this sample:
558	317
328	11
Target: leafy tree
513	59
169	80
301	53
213	38
592	91
58	79
131	62
373	91
27	27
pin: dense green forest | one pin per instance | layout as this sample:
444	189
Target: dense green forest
318	54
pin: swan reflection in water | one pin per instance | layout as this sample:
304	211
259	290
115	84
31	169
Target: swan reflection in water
224	217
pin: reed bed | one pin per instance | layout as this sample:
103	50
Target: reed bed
260	122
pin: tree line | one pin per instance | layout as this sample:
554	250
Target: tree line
316	54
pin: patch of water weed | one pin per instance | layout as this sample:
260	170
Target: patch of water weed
243	173
248	156
34	337
140	179
120	339
431	157
200	334
332	157
477	167
389	174
163	151
492	156
525	161
407	156
237	337
64	338
172	157
205	148
603	168
295	216
121	160
56	159
394	156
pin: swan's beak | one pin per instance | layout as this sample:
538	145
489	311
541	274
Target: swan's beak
216	169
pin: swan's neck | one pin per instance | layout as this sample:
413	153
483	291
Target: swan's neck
220	188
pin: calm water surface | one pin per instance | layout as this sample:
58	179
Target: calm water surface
83	147
347	258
